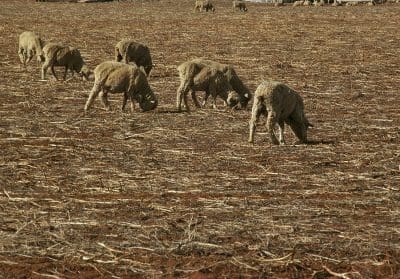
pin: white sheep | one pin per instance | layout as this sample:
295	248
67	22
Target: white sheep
307	3
298	3
319	3
336	3
116	77
280	104
30	44
196	78
243	93
69	57
203	5
130	51
240	5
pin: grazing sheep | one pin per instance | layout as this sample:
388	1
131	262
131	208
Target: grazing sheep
351	3
69	57
306	3
116	77
298	3
237	85
371	3
129	51
240	5
280	104
278	4
203	5
336	4
29	45
319	3
196	78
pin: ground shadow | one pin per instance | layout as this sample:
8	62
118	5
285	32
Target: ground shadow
315	142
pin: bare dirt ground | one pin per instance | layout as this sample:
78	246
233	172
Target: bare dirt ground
165	194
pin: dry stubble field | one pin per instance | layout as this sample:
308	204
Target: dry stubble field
121	195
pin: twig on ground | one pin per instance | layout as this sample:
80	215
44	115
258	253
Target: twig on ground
342	275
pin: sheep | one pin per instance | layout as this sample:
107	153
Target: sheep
129	51
212	81
69	57
29	45
203	5
351	3
280	104
278	4
117	77
298	3
240	5
236	84
306	3
319	3
336	4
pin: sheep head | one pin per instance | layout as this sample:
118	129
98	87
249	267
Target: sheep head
233	99
85	73
148	101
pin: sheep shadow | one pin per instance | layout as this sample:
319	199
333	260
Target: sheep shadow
171	111
316	142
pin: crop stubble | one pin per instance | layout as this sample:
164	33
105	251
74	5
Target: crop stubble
184	195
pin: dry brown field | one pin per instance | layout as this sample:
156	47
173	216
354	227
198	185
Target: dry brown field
114	194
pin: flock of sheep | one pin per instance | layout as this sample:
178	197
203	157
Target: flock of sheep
206	5
278	102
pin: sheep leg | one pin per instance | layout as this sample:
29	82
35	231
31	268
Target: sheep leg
124	101
281	129
205	98
185	101
118	56
132	102
30	55
45	66
92	96
53	72
194	98
271	123
182	94
104	99
65	73
21	55
296	123
126	59
213	93
256	111
214	102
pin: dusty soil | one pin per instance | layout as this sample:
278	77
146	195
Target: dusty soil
165	194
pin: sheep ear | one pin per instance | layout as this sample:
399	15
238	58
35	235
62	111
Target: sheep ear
246	95
309	124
